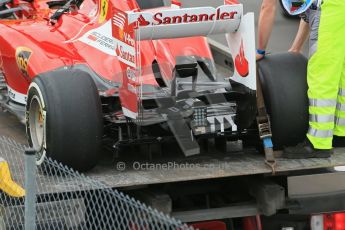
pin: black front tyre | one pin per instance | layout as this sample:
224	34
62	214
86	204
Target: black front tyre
284	85
64	119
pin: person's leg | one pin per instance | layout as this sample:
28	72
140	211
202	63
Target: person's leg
340	111
324	73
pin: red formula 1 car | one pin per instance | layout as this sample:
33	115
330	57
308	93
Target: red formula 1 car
79	72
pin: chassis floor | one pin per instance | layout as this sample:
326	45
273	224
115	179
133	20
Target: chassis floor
122	174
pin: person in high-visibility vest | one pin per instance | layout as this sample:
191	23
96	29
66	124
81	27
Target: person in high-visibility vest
326	80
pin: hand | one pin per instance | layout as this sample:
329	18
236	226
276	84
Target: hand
293	50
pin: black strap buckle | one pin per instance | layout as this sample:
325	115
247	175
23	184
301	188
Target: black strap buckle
264	126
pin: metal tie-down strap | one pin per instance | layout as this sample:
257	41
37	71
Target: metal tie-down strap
264	127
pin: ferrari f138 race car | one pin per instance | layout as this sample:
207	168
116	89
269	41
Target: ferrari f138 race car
79	72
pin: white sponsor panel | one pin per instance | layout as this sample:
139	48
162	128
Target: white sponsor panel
16	96
125	53
187	22
100	38
244	38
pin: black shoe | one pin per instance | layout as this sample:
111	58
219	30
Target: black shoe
338	142
306	150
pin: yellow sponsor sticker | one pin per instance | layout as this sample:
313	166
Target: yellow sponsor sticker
23	55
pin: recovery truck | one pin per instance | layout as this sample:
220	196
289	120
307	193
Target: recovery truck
164	80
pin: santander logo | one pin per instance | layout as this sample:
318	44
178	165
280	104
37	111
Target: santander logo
142	21
187	16
124	54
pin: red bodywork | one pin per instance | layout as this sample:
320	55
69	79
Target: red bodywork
52	46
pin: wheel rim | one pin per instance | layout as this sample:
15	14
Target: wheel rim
37	128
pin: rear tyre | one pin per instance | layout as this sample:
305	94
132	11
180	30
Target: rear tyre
284	84
64	119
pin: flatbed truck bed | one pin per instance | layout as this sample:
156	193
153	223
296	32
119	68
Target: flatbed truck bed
299	186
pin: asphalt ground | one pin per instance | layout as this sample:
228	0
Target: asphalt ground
11	127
